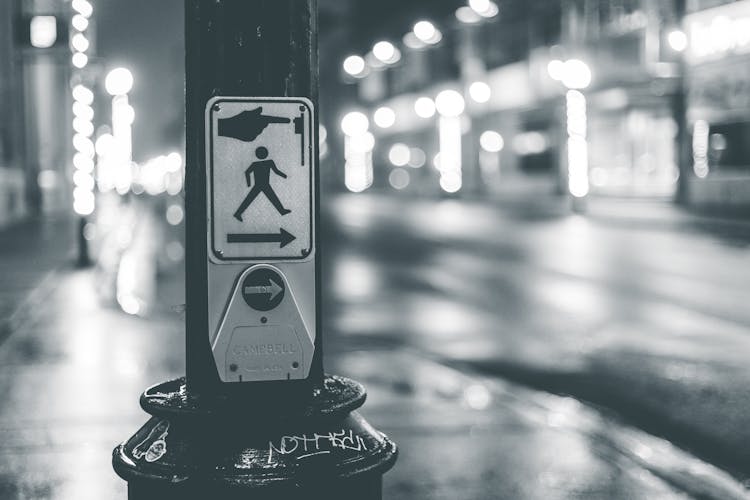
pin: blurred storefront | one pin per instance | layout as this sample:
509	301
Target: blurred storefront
34	103
632	127
515	122
718	82
12	181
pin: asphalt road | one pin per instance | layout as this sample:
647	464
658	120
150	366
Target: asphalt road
637	308
512	353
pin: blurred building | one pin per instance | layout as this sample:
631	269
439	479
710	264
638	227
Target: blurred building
640	96
718	115
35	106
12	196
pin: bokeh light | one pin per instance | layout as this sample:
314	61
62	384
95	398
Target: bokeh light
83	7
424	107
678	40
384	117
43	31
399	178
467	15
385	52
399	154
119	81
491	141
79	22
450	103
354	65
79	42
577	74
79	60
480	92
354	123
83	95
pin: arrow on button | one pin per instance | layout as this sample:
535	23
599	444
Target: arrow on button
283	238
273	288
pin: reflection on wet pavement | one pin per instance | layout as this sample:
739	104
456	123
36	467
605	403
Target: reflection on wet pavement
436	308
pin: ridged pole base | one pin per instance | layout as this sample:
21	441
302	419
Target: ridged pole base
193	449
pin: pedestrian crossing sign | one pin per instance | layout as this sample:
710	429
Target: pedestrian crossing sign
260	179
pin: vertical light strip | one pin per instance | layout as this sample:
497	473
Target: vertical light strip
84	200
578	156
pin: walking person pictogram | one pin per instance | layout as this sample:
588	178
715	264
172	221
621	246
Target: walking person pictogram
261	183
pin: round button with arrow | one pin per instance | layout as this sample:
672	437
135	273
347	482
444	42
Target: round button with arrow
263	289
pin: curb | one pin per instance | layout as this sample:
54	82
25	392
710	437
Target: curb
656	455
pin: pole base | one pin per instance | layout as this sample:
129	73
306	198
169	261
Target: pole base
196	449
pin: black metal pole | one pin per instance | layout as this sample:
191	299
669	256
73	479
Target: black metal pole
238	48
267	440
83	259
679	104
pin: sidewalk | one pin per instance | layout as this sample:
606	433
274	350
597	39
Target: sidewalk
29	251
667	215
463	436
70	377
645	213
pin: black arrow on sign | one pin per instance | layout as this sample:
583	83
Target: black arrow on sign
283	238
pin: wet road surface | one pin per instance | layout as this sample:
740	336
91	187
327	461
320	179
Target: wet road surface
70	393
434	307
640	309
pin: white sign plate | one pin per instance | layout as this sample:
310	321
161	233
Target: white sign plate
260	179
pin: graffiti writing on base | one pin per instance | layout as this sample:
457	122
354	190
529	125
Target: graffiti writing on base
154	446
306	446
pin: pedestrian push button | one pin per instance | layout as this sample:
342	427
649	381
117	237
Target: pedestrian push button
263	289
262	336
